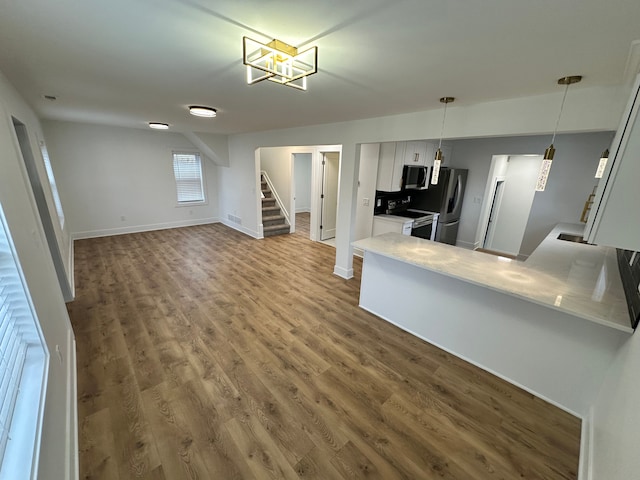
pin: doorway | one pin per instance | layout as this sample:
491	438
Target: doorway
42	206
302	173
495	208
329	194
510	193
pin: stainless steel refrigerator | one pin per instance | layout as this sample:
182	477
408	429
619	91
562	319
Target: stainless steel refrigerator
446	198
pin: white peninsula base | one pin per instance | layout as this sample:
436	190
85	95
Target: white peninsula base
556	355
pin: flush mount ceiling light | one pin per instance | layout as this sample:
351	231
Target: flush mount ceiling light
278	62
604	158
439	157
200	111
159	126
545	167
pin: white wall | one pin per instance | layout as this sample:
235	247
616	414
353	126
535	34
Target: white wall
106	173
511	218
590	109
616	418
302	174
570	182
58	457
367	176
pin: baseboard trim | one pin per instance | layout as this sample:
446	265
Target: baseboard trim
346	273
585	465
73	458
242	229
358	252
142	228
72	267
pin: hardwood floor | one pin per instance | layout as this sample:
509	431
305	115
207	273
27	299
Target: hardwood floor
206	354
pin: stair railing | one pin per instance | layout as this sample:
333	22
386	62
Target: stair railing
284	211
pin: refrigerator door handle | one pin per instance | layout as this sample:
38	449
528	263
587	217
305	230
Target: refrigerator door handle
456	194
450	223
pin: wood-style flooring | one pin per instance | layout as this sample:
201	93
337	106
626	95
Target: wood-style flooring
206	354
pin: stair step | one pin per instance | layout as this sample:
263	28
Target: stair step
275	210
272	218
275	230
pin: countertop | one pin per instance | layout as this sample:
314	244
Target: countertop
575	278
393	218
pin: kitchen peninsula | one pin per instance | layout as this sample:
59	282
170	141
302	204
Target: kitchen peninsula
551	324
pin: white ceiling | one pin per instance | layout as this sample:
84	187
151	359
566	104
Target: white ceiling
127	62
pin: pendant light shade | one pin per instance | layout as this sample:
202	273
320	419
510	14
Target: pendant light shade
604	158
545	167
437	161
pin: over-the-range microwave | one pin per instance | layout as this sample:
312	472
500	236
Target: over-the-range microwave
415	177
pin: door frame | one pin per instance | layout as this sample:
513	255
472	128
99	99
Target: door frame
40	202
316	187
494	192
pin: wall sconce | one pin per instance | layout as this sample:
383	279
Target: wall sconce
545	167
278	62
435	174
604	158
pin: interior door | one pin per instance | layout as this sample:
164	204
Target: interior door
329	195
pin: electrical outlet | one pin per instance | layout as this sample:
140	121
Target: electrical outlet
365	202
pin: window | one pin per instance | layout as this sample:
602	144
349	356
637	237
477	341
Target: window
187	169
23	365
52	182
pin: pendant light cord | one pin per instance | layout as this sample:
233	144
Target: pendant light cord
566	89
444	117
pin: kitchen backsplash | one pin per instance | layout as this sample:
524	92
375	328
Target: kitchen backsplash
629	265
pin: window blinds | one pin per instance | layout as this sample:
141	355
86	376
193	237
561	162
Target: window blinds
22	369
187	170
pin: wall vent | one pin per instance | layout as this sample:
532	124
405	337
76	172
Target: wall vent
234	219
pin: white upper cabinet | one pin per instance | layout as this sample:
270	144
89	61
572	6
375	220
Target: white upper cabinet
390	166
614	220
415	153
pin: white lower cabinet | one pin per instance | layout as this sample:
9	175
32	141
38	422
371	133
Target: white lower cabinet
390	224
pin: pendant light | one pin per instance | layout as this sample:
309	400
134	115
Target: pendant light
439	157
604	158
550	151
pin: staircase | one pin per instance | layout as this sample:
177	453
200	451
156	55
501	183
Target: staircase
273	222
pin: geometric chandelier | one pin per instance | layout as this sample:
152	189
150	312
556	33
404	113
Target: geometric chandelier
278	62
